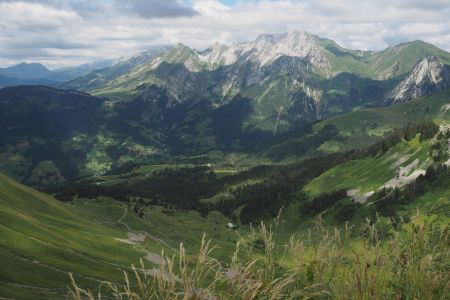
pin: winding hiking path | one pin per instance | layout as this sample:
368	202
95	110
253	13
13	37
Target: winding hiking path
156	239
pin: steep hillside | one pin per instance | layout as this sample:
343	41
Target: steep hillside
397	167
43	240
401	59
99	78
428	77
46	132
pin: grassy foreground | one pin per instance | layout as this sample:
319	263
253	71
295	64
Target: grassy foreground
405	261
43	241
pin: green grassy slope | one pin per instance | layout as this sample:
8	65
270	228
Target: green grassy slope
395	61
42	240
400	59
370	173
379	120
172	225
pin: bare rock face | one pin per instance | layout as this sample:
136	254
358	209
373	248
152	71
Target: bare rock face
267	48
429	76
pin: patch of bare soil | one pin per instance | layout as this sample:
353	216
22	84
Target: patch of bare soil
136	236
154	258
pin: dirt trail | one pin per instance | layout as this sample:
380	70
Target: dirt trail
139	235
136	235
60	292
154	258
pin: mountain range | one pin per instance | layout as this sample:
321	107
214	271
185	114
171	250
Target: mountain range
292	78
36	73
174	100
289	79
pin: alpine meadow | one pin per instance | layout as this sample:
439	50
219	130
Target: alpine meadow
224	149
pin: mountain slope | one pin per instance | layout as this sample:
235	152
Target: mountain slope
407	160
45	131
95	240
356	129
30	74
401	59
428	77
43	240
70	73
80	135
26	71
100	78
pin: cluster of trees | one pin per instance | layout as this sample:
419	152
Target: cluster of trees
322	202
440	147
181	187
345	211
426	129
138	207
304	141
265	200
90	190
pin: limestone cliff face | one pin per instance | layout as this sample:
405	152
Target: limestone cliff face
267	48
429	76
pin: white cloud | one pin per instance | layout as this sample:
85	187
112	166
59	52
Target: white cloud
34	17
59	32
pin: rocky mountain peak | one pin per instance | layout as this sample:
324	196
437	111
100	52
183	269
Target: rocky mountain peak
267	48
427	77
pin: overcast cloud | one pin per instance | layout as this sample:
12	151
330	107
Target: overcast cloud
70	32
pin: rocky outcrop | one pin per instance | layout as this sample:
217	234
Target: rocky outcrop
267	48
429	76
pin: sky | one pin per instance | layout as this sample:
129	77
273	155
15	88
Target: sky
70	32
